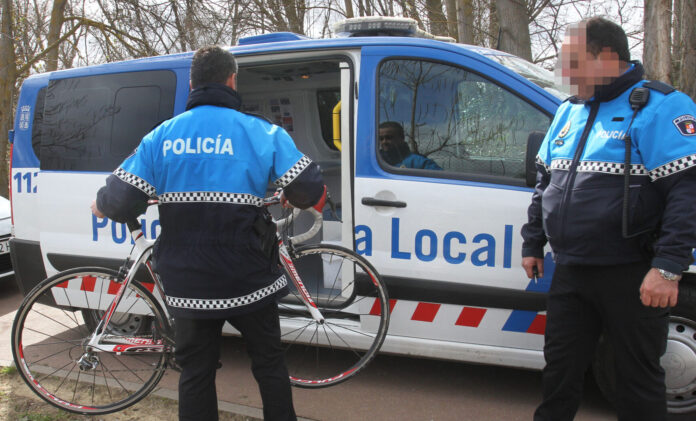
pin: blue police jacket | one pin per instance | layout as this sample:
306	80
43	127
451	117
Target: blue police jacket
210	167
418	161
577	203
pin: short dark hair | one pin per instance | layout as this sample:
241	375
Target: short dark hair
212	64
393	125
603	33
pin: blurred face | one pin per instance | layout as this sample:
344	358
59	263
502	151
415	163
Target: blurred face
388	139
581	70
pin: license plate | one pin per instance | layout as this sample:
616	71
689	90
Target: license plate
4	246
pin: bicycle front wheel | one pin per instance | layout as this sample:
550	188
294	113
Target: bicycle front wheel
51	345
353	300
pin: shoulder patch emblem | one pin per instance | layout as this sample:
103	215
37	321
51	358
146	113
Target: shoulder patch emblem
564	130
686	124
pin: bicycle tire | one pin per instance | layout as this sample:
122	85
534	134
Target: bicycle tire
49	343
355	305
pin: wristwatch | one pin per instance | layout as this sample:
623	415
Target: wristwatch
669	275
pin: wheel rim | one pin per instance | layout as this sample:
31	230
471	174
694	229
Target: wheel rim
50	340
320	355
679	363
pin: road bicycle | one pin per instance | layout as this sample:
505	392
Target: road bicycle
94	340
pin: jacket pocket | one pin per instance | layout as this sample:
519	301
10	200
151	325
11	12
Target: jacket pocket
550	206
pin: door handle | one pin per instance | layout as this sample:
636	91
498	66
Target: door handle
371	201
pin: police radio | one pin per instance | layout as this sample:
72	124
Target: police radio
638	99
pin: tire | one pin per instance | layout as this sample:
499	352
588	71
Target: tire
355	309
50	335
679	361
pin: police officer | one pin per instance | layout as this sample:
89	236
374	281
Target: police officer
610	277
210	167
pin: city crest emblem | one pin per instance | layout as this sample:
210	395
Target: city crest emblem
564	131
686	124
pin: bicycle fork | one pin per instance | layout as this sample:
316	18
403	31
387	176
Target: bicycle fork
290	269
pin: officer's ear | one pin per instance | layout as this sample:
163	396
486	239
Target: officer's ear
232	81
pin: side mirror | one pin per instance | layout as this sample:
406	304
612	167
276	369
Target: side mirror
533	144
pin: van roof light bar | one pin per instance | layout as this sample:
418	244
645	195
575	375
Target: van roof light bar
390	26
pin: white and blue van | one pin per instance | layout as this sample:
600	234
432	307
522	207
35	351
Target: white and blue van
445	240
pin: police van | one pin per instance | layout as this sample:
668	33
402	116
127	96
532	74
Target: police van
445	237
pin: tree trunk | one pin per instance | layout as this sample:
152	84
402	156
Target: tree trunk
452	18
514	28
54	33
493	25
657	56
687	77
465	21
676	41
438	22
8	77
349	8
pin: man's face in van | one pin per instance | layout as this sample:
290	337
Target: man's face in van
582	70
389	139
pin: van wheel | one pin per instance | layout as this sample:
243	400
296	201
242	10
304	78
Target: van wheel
679	361
130	324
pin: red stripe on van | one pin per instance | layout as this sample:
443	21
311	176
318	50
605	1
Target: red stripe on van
425	312
470	316
538	325
88	283
63	284
377	311
113	287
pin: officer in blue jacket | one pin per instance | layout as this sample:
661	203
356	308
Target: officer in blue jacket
622	279
210	167
396	152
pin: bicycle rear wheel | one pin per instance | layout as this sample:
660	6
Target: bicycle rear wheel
50	338
351	296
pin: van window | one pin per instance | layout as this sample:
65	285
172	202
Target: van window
453	120
92	123
37	124
326	102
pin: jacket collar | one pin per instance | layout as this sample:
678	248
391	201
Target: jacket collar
214	94
604	93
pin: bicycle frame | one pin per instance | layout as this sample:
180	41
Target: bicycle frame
142	249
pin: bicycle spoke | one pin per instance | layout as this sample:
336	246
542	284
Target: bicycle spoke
52	355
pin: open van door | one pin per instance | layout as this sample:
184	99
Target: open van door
440	213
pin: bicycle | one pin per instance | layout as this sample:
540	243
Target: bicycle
95	341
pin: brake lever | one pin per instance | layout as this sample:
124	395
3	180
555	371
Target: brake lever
332	207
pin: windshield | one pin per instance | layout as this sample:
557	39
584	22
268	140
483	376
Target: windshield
534	73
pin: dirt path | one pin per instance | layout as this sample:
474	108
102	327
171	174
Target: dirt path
18	403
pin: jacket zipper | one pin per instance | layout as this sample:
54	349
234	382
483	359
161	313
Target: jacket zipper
572	171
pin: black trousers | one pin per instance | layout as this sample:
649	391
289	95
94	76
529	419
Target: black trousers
582	301
198	351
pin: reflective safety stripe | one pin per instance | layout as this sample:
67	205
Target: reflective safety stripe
293	172
610	168
217	197
135	181
226	303
673	167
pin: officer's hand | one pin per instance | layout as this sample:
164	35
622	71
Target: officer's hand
657	291
529	263
284	201
95	210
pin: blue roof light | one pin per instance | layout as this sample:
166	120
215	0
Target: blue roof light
274	37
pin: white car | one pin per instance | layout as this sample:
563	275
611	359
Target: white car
5	233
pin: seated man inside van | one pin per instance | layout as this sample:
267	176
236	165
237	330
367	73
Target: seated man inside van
396	152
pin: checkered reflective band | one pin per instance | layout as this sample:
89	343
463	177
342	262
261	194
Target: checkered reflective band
541	162
293	172
610	168
673	167
211	196
135	181
227	303
560	164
